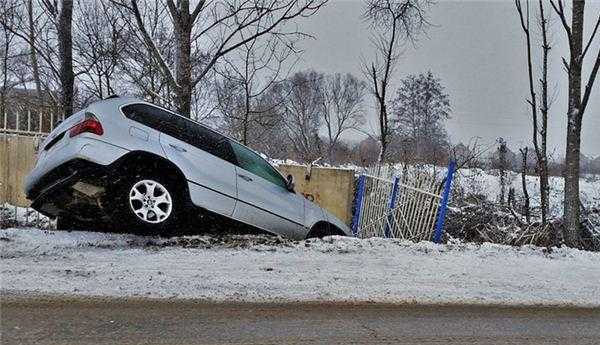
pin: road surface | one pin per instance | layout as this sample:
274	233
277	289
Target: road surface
51	320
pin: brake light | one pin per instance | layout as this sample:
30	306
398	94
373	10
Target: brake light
89	125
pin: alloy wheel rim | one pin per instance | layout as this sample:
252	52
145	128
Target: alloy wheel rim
150	201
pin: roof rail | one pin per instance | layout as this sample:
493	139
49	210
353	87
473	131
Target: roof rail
112	96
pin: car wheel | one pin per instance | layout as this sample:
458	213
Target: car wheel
66	222
148	204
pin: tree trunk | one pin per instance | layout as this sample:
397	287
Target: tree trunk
571	176
183	65
65	54
524	184
4	88
383	130
574	116
246	120
543	150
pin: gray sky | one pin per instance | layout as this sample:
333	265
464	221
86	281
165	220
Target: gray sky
477	49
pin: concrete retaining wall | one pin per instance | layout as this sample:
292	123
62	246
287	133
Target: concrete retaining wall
330	188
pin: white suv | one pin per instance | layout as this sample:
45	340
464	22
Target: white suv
135	165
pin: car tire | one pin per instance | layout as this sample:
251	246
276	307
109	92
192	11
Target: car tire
68	223
148	204
64	222
319	231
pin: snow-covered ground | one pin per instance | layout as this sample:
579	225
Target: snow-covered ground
260	269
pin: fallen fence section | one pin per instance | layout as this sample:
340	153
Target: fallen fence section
409	205
12	216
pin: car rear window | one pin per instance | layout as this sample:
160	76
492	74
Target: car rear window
181	128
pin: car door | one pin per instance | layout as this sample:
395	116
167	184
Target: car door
201	154
263	199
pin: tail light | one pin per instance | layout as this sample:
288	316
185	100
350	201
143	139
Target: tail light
90	124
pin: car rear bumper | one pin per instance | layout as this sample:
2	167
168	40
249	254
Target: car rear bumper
84	148
59	190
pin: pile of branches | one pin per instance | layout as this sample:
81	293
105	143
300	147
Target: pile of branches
489	222
590	228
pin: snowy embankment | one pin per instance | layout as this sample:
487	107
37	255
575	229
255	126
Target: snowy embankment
268	269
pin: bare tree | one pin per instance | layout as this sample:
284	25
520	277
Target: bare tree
61	17
343	97
49	35
100	42
395	22
540	125
245	78
576	110
210	30
501	163
6	54
31	37
301	100
65	53
144	76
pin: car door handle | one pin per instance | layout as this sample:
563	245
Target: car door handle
178	148
245	178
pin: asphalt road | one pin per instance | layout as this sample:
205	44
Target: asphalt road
27	320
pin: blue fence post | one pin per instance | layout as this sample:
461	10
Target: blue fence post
393	197
439	225
358	205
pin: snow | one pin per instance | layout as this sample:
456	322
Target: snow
270	269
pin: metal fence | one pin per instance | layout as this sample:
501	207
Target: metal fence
12	216
29	122
410	205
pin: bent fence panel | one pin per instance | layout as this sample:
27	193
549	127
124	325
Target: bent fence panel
406	206
12	216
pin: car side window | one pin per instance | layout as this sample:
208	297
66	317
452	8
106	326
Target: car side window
209	141
252	162
181	128
150	116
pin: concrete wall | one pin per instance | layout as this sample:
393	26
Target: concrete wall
330	188
17	157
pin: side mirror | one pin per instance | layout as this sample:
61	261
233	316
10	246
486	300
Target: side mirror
289	183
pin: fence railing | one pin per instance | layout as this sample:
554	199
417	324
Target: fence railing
12	216
409	205
29	122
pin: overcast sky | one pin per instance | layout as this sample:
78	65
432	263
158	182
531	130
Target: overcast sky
477	49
